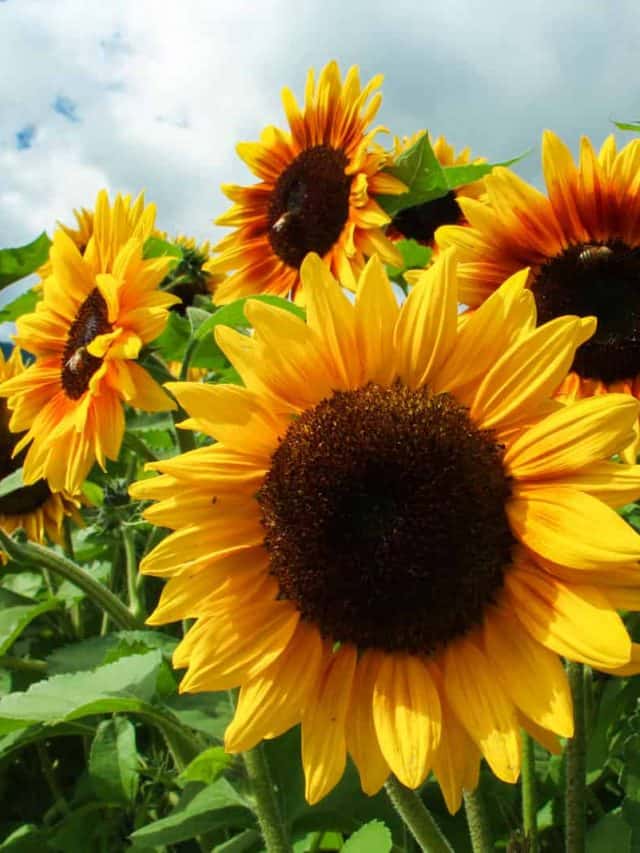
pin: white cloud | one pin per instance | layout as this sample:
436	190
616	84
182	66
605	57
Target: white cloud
164	91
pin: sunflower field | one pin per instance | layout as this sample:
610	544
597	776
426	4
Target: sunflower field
326	537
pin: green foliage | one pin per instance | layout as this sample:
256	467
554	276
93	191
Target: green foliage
373	837
155	247
420	170
628	125
22	261
23	304
113	761
208	766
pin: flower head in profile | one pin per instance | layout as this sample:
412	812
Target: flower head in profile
98	310
581	242
35	508
189	278
316	192
421	221
398	532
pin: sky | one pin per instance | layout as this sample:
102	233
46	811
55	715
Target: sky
154	96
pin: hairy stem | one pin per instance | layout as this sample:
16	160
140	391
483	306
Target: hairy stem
416	817
576	778
32	554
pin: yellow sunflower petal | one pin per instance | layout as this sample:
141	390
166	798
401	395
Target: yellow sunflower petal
362	740
483	707
531	675
546	517
587	431
324	751
574	621
426	327
407	716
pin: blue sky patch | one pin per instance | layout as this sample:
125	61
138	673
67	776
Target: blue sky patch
66	107
25	137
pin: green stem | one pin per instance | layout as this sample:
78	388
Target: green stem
30	553
417	817
477	822
575	801
186	361
266	805
182	746
185	437
137	445
38	667
74	611
529	794
59	802
134	578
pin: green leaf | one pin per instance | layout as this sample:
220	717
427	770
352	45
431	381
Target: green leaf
207	353
418	168
199	811
458	176
173	341
414	255
113	761
23	304
126	685
14	620
208	766
154	247
628	125
93	493
239	843
88	654
11	483
196	317
373	837
611	833
23	260
26	839
209	713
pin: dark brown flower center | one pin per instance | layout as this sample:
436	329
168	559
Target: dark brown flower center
27	498
420	222
602	280
384	512
309	205
187	280
78	365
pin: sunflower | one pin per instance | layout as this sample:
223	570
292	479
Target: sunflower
315	193
97	311
581	242
190	278
35	508
398	532
420	222
136	213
